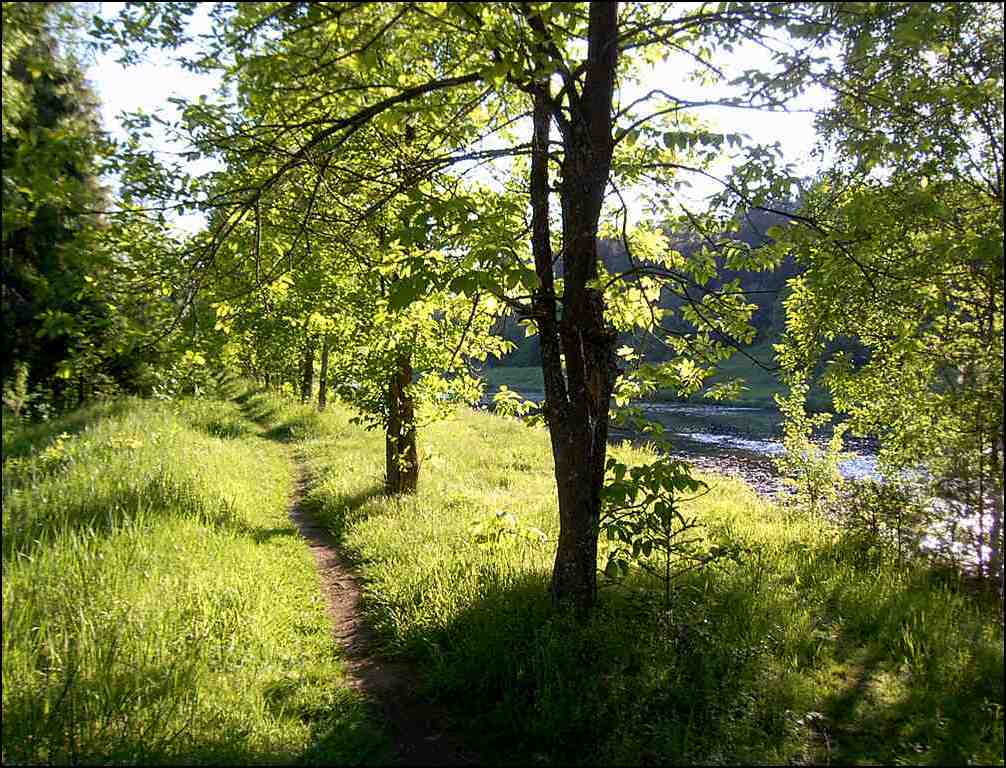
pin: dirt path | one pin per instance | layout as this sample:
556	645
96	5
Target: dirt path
417	728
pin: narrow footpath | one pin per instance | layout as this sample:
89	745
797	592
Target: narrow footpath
418	728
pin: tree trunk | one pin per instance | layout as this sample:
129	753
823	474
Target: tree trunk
323	376
59	394
401	456
577	398
307	382
996	565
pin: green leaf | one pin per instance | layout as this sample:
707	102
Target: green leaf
403	293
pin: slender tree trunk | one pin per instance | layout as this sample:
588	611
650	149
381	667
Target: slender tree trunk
307	382
996	568
996	565
323	375
577	397
401	455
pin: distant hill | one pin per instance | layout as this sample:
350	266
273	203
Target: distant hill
768	289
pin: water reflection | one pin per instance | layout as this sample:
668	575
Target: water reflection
751	436
742	442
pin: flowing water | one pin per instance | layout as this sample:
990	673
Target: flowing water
734	441
743	442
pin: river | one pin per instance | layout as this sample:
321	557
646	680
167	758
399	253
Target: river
742	442
734	441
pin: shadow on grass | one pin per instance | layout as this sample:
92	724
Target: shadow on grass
261	535
529	683
227	429
32	437
262	408
294	429
706	680
526	683
916	675
259	406
100	514
150	714
901	699
336	514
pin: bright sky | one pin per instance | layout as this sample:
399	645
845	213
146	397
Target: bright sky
148	86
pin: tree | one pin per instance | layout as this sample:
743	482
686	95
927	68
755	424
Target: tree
52	309
396	357
907	254
83	293
327	86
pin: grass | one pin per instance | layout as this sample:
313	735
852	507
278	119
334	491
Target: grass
810	649
522	379
159	608
158	605
760	385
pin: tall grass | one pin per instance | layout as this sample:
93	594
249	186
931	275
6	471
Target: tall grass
806	650
158	605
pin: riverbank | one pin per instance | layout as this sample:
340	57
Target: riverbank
805	648
761	380
743	443
734	441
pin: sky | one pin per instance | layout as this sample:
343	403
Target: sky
147	86
150	84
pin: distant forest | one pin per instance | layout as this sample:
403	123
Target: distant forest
766	289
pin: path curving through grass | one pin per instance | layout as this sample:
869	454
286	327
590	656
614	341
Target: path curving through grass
417	727
159	606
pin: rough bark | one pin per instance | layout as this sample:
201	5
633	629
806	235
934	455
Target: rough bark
323	375
307	380
996	565
996	568
577	394
401	455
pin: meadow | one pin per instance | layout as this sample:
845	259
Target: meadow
158	606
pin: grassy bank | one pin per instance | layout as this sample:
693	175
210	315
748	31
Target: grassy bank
810	649
158	605
522	379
